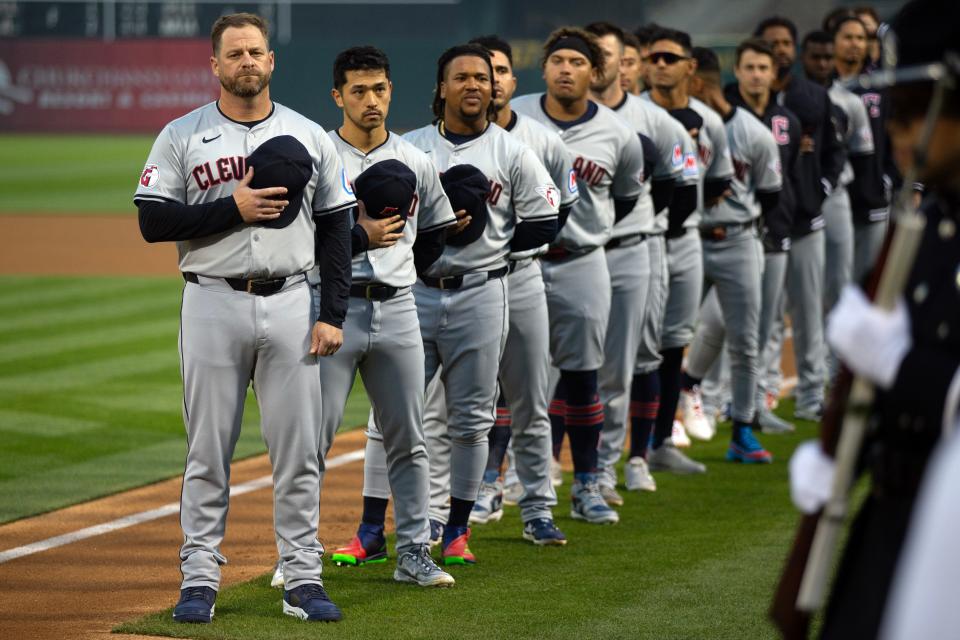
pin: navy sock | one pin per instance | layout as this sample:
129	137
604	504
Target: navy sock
558	416
584	418
459	512
688	382
498	438
669	394
644	403
374	511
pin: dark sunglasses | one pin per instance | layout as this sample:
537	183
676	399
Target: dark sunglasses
666	56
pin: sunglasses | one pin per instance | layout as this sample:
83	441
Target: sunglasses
666	56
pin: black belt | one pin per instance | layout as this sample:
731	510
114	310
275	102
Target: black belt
254	287
721	231
559	253
373	291
673	234
514	265
455	282
626	241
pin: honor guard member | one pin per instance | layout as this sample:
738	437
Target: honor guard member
608	159
671	67
755	70
816	175
525	364
254	194
733	260
911	355
628	254
401	208
462	297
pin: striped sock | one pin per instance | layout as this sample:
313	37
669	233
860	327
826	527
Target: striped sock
644	405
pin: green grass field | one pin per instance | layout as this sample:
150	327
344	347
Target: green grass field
697	559
90	390
70	174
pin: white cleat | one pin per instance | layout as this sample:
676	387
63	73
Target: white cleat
695	420
679	435
513	494
489	504
556	472
417	567
277	580
638	476
607	479
668	458
588	504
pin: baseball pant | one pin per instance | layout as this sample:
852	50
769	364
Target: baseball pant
804	303
228	338
733	266
685	266
382	340
867	243
629	269
648	351
838	235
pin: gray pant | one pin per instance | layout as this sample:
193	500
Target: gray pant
805	306
838	235
867	242
733	267
629	279
685	265
228	338
648	351
382	340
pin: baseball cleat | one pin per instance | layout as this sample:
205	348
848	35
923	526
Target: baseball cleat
812	414
455	549
277	580
694	420
367	547
638	476
679	435
771	400
417	567
489	504
667	457
196	604
771	423
543	532
587	503
607	479
556	472
745	448
513	494
436	532
310	602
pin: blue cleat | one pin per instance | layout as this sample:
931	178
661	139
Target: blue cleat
543	532
744	447
196	604
310	602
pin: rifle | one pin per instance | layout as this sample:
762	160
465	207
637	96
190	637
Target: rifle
802	587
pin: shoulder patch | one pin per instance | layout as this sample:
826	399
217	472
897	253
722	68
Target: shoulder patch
150	176
549	193
345	183
572	181
690	169
676	158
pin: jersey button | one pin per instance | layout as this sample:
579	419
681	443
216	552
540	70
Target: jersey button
256	238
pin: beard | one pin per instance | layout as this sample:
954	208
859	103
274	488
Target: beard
234	86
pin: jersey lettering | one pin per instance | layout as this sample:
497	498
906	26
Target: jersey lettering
780	127
705	154
588	171
414	203
231	168
741	169
495	190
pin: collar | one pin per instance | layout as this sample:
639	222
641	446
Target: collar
251	124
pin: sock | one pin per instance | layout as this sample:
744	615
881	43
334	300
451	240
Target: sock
374	511
644	403
558	415
498	438
688	382
584	418
459	513
737	425
669	394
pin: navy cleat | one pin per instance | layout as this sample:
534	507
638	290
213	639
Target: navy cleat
436	532
196	604
543	532
310	602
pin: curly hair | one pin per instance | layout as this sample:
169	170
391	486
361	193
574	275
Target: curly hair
444	60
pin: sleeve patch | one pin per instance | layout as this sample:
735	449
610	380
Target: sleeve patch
572	181
690	169
150	176
551	194
345	183
676	159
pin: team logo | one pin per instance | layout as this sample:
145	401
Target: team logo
345	182
781	129
150	176
690	169
572	181
872	102
550	194
677	158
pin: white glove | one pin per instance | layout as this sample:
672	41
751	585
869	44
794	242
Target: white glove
871	341
811	477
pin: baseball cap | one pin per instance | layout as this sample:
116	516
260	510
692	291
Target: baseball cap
282	162
386	189
467	188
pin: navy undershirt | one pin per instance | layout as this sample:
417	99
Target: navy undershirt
566	124
458	138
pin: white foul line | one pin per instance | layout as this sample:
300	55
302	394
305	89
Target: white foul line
152	514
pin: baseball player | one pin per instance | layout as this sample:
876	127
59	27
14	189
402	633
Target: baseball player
524	367
816	174
247	313
461	297
631	65
628	255
609	166
732	257
754	69
382	335
671	67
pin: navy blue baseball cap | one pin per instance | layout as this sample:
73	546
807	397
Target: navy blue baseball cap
468	189
386	189
282	162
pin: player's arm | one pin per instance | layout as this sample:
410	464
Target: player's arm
832	154
559	163
767	171
683	201
536	201
659	168
370	233
716	183
627	178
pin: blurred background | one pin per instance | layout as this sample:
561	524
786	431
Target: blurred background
81	66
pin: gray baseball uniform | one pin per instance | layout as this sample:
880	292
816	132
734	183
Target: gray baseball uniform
629	263
381	339
464	329
733	259
608	159
229	337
